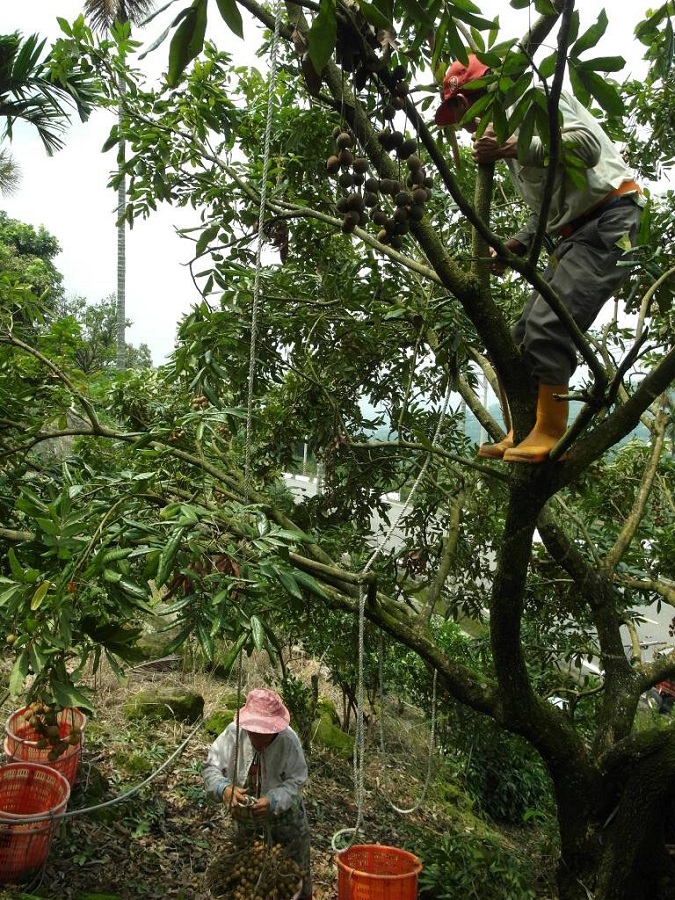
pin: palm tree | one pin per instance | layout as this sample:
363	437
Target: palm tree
29	92
102	15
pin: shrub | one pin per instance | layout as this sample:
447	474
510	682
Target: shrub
469	866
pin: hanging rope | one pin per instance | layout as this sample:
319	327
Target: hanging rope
432	739
257	300
359	737
256	309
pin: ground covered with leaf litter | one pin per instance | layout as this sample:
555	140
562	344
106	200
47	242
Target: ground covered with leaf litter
160	840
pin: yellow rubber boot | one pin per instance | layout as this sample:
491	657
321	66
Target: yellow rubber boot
549	427
496	451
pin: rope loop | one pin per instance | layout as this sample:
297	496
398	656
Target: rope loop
359	739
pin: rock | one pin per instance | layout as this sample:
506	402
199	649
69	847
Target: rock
326	733
165	704
326	708
155	644
217	722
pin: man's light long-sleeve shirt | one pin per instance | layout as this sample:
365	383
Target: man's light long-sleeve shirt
600	170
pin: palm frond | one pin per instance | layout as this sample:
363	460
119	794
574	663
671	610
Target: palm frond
10	174
102	14
30	91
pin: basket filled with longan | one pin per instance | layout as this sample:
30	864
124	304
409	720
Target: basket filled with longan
248	869
43	734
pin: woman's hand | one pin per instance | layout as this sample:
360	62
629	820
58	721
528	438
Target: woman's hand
498	265
261	808
232	795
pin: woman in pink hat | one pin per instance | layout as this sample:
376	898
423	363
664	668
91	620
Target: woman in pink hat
260	756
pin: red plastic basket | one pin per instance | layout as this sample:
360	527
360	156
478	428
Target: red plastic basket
376	872
21	743
26	790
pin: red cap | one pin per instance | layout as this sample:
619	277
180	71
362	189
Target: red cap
457	77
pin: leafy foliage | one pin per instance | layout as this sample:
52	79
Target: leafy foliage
470	865
39	89
171	502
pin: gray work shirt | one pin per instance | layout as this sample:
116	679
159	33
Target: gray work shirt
601	170
283	769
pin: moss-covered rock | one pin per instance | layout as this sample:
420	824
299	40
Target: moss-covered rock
327	734
164	704
156	644
217	722
326	708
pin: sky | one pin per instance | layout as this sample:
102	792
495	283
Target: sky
68	193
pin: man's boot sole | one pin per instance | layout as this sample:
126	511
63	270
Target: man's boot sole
492	451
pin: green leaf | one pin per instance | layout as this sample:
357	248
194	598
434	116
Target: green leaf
39	595
603	64
603	91
544	7
309	582
68	695
18	673
590	37
231	16
112	140
137	591
9	594
167	556
289	583
205	639
117	553
187	41
210	393
323	35
14	565
258	632
205	238
37	658
112	576
373	15
233	653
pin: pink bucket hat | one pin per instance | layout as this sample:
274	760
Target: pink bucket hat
263	712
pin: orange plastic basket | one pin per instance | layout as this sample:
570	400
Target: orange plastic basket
376	872
21	743
26	790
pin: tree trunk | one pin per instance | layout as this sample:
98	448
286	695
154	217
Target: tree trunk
616	849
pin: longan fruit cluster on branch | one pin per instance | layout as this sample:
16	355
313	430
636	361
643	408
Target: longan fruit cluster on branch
389	203
253	870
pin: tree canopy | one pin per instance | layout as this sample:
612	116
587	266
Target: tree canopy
172	502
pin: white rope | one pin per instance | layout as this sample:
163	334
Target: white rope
73	813
432	741
257	301
359	737
255	322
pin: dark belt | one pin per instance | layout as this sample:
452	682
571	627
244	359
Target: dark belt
569	229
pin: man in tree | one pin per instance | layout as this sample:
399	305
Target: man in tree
591	222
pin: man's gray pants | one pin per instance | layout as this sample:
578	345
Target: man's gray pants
584	272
